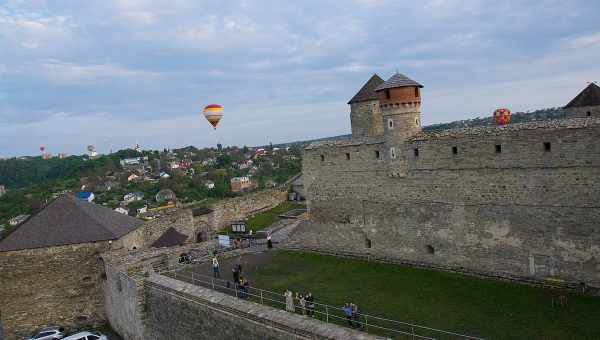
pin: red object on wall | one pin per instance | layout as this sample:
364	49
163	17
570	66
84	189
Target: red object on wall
502	116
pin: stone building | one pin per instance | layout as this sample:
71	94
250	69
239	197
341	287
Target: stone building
519	200
50	266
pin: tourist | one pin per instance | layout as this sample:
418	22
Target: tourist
302	302
215	264
269	242
356	315
289	301
347	309
244	285
310	304
236	276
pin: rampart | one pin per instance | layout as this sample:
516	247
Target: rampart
141	305
515	200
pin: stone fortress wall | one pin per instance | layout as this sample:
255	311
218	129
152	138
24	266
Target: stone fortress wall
518	200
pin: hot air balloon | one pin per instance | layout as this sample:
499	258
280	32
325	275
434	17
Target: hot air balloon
213	113
502	116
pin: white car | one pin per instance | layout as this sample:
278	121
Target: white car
87	336
48	333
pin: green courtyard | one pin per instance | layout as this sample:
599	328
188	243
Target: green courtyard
478	307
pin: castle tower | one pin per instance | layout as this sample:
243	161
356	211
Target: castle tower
586	103
400	103
365	115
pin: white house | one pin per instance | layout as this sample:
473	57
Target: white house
122	210
209	185
133	196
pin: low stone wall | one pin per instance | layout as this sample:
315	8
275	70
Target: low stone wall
179	310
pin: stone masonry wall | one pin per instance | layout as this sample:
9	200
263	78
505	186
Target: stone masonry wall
58	285
178	310
529	210
225	211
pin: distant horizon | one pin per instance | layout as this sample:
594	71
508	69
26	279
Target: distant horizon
113	73
349	133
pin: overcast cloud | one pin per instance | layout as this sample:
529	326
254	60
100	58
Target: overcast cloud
113	73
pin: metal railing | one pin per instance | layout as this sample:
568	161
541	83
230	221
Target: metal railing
323	312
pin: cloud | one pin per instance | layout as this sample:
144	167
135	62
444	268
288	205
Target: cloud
72	73
87	72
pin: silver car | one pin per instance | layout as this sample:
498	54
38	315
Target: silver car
49	333
92	335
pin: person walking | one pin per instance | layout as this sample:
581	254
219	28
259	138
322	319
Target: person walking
269	242
216	269
289	301
348	312
310	304
355	317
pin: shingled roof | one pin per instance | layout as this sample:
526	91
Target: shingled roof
397	80
367	92
590	96
170	238
69	221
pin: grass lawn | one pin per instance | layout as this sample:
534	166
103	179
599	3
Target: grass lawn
266	218
479	307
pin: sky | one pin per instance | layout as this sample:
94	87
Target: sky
116	73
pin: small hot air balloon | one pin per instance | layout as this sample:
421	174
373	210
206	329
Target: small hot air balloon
502	116
213	113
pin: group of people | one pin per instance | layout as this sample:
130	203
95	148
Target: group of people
352	315
306	303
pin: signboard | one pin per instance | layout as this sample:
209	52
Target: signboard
238	227
224	241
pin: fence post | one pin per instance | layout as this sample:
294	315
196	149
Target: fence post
212	281
412	330
326	314
235	285
261	297
366	324
192	277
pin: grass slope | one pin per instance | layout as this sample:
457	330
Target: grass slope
481	307
266	218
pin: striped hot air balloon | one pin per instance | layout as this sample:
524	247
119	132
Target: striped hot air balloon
502	116
213	113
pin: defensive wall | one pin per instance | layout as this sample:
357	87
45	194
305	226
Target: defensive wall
141	304
55	285
517	200
202	224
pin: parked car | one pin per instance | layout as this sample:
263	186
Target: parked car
91	335
48	333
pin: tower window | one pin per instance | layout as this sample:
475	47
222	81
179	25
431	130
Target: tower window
322	158
416	151
416	91
368	243
547	147
417	122
455	150
390	124
498	148
387	94
393	152
377	154
347	156
589	113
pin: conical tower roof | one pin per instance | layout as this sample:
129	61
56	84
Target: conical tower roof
590	96
397	80
367	92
